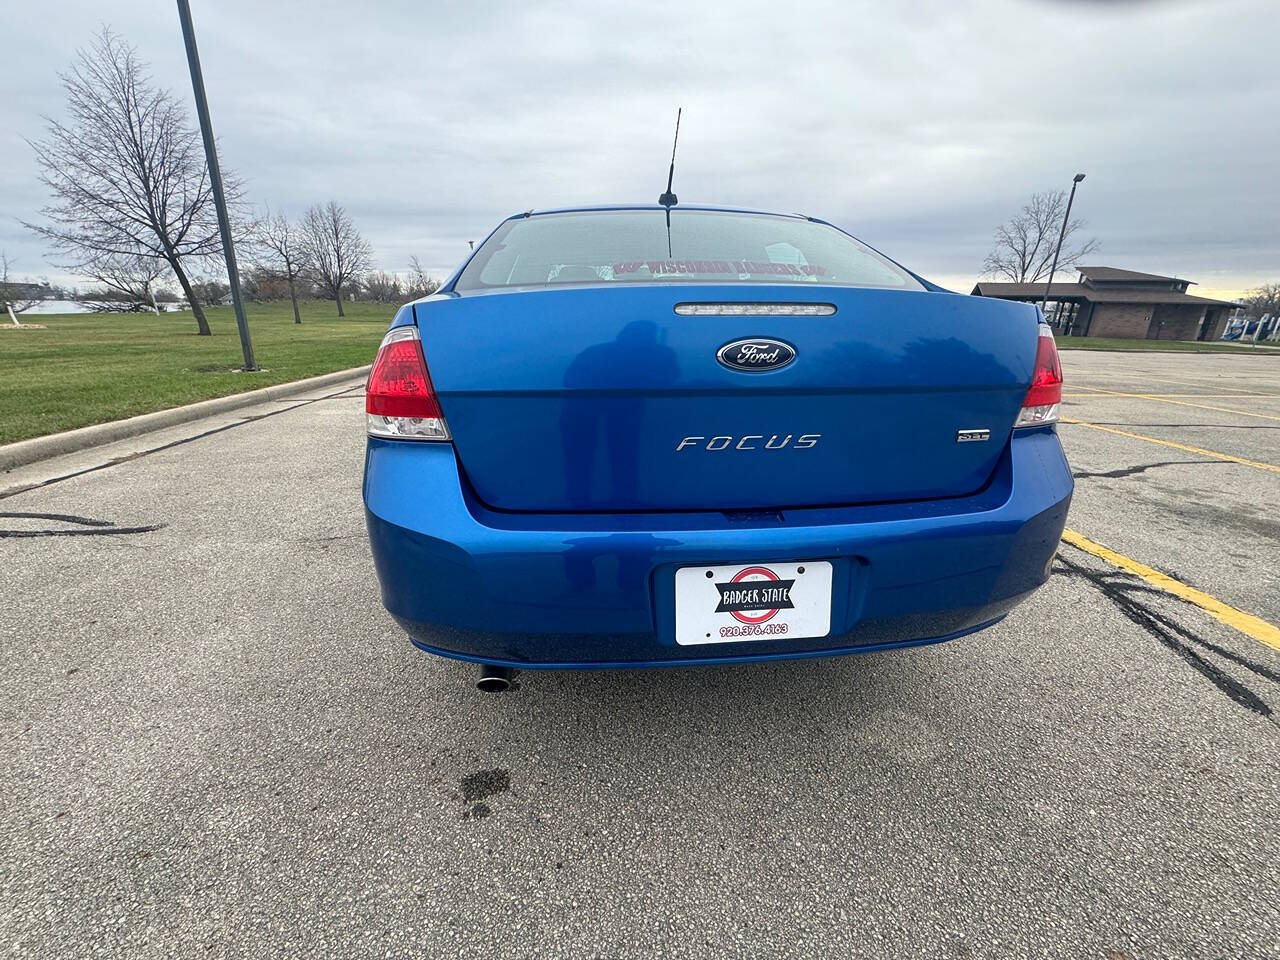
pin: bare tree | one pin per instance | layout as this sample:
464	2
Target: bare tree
1024	245
126	170
211	290
419	284
263	284
1263	300
14	293
338	255
382	287
282	251
129	283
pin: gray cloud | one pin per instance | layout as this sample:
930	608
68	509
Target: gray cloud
919	126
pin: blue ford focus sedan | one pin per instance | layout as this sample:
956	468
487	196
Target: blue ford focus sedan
641	436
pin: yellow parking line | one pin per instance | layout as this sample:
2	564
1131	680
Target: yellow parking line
1201	383
1182	403
1176	446
1246	623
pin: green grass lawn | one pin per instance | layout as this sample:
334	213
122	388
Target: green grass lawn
91	368
1176	346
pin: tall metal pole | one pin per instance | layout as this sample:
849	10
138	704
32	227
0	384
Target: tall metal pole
215	181
1066	218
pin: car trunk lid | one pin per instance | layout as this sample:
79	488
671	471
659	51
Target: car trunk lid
604	398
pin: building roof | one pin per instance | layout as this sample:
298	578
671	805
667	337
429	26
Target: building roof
1116	275
1078	291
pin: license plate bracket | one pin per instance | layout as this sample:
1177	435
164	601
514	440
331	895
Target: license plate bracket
731	603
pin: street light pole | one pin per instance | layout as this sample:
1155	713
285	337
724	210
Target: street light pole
1066	217
215	182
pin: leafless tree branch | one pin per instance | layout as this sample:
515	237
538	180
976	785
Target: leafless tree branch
336	251
1023	250
127	172
280	248
15	294
420	285
129	282
1263	300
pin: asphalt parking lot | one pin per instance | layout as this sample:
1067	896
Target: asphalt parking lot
216	742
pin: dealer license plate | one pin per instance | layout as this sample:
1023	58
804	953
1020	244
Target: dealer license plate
753	601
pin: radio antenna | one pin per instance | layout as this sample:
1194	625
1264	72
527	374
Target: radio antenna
668	199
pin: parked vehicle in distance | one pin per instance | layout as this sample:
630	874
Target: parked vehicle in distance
637	436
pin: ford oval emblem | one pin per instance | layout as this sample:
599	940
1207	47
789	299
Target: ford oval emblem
756	355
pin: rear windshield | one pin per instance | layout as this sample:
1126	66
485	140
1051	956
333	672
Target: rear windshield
635	246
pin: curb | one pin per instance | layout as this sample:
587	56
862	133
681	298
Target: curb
55	444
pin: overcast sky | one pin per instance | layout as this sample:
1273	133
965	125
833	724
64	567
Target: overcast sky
917	126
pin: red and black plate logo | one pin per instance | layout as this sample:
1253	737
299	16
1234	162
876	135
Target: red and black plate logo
755	595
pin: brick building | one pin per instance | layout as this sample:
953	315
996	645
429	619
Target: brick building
1107	302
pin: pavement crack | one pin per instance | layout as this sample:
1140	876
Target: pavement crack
1172	636
97	528
95	532
1251	665
1143	468
63	517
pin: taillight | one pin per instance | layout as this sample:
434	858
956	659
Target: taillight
399	400
1041	402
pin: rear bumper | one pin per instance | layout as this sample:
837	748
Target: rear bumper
573	590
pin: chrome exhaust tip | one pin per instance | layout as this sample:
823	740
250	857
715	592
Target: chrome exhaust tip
494	679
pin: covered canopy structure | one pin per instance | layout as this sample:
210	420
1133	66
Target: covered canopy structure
1110	302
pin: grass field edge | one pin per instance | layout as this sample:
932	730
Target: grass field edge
34	449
